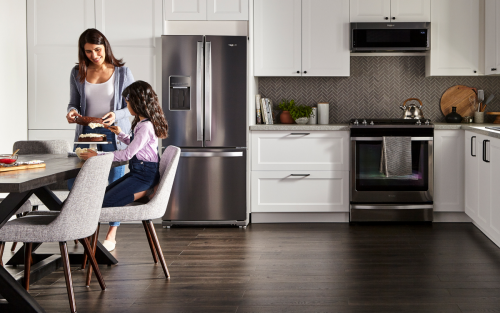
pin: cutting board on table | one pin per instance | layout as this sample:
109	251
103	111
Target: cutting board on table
458	96
20	167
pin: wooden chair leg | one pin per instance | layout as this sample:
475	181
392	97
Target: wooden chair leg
85	257
152	231
67	274
150	241
27	264
76	242
94	248
86	245
2	246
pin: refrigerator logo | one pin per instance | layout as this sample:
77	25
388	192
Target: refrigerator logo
232	45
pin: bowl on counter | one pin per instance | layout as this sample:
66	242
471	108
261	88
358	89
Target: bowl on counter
302	120
8	159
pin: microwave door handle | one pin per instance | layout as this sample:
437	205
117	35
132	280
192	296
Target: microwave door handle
199	91
208	91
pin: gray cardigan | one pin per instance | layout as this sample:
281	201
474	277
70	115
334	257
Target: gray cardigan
123	78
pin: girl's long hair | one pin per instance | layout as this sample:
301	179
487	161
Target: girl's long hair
144	102
95	37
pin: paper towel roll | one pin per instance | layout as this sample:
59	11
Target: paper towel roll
323	113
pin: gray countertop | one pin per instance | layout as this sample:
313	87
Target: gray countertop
295	127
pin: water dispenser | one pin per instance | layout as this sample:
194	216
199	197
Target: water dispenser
180	93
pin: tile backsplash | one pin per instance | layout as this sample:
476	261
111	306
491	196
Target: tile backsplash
376	88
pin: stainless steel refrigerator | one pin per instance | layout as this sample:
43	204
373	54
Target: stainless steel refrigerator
204	92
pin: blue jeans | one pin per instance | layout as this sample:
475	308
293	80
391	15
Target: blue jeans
142	176
116	172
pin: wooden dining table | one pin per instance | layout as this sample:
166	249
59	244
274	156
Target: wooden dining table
20	185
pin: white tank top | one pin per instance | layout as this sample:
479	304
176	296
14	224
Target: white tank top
100	97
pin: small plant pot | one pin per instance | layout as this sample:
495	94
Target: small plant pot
286	118
302	120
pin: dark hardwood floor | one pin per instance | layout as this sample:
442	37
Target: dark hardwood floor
292	268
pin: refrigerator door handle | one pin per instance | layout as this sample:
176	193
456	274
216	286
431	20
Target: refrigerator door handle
199	91
208	91
211	154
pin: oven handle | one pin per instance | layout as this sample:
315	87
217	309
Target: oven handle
380	138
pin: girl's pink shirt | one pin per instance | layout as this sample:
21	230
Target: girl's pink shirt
144	145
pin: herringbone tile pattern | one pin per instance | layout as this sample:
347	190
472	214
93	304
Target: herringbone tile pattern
376	88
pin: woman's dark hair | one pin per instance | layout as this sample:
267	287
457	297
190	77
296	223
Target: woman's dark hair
95	37
144	102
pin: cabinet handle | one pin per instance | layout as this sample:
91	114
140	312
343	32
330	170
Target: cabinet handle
475	71
493	68
300	175
473	146
393	18
298	72
486	151
299	134
305	72
386	18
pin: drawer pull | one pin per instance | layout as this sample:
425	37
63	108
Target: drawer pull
299	134
300	175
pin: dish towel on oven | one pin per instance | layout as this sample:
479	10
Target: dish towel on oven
396	156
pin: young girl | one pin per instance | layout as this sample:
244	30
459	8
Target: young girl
142	152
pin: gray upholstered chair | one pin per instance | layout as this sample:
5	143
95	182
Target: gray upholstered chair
153	209
26	207
77	220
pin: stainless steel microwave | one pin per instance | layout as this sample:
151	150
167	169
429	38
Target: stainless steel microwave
377	37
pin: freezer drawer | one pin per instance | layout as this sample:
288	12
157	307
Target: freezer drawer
210	185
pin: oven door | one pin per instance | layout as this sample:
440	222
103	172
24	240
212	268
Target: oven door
368	185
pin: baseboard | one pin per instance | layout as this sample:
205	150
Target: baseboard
451	217
262	218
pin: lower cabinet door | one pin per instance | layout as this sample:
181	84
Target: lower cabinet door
300	191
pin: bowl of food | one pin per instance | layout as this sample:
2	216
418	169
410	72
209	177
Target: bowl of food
8	158
81	150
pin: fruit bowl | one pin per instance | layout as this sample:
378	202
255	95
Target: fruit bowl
8	159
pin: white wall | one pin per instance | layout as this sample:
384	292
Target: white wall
13	74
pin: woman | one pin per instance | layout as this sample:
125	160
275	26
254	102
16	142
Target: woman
96	86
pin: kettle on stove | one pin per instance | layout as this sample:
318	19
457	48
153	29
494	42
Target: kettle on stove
412	111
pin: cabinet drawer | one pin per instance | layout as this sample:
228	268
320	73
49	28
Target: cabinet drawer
300	150
286	191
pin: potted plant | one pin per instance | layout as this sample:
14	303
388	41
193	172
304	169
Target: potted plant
301	113
286	106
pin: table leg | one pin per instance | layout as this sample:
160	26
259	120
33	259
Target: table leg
49	199
11	204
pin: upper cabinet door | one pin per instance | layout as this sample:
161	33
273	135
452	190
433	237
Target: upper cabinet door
277	42
53	29
492	37
132	28
227	10
370	10
411	10
186	10
455	34
325	38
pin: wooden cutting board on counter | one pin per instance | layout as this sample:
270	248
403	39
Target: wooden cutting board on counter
458	96
20	167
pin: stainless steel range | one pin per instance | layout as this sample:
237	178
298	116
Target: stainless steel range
373	195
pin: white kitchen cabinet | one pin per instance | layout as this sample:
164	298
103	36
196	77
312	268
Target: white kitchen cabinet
448	171
186	10
365	11
393	10
203	10
277	37
132	28
300	150
53	29
411	10
472	157
227	10
455	39
484	195
325	40
300	191
492	37
301	38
